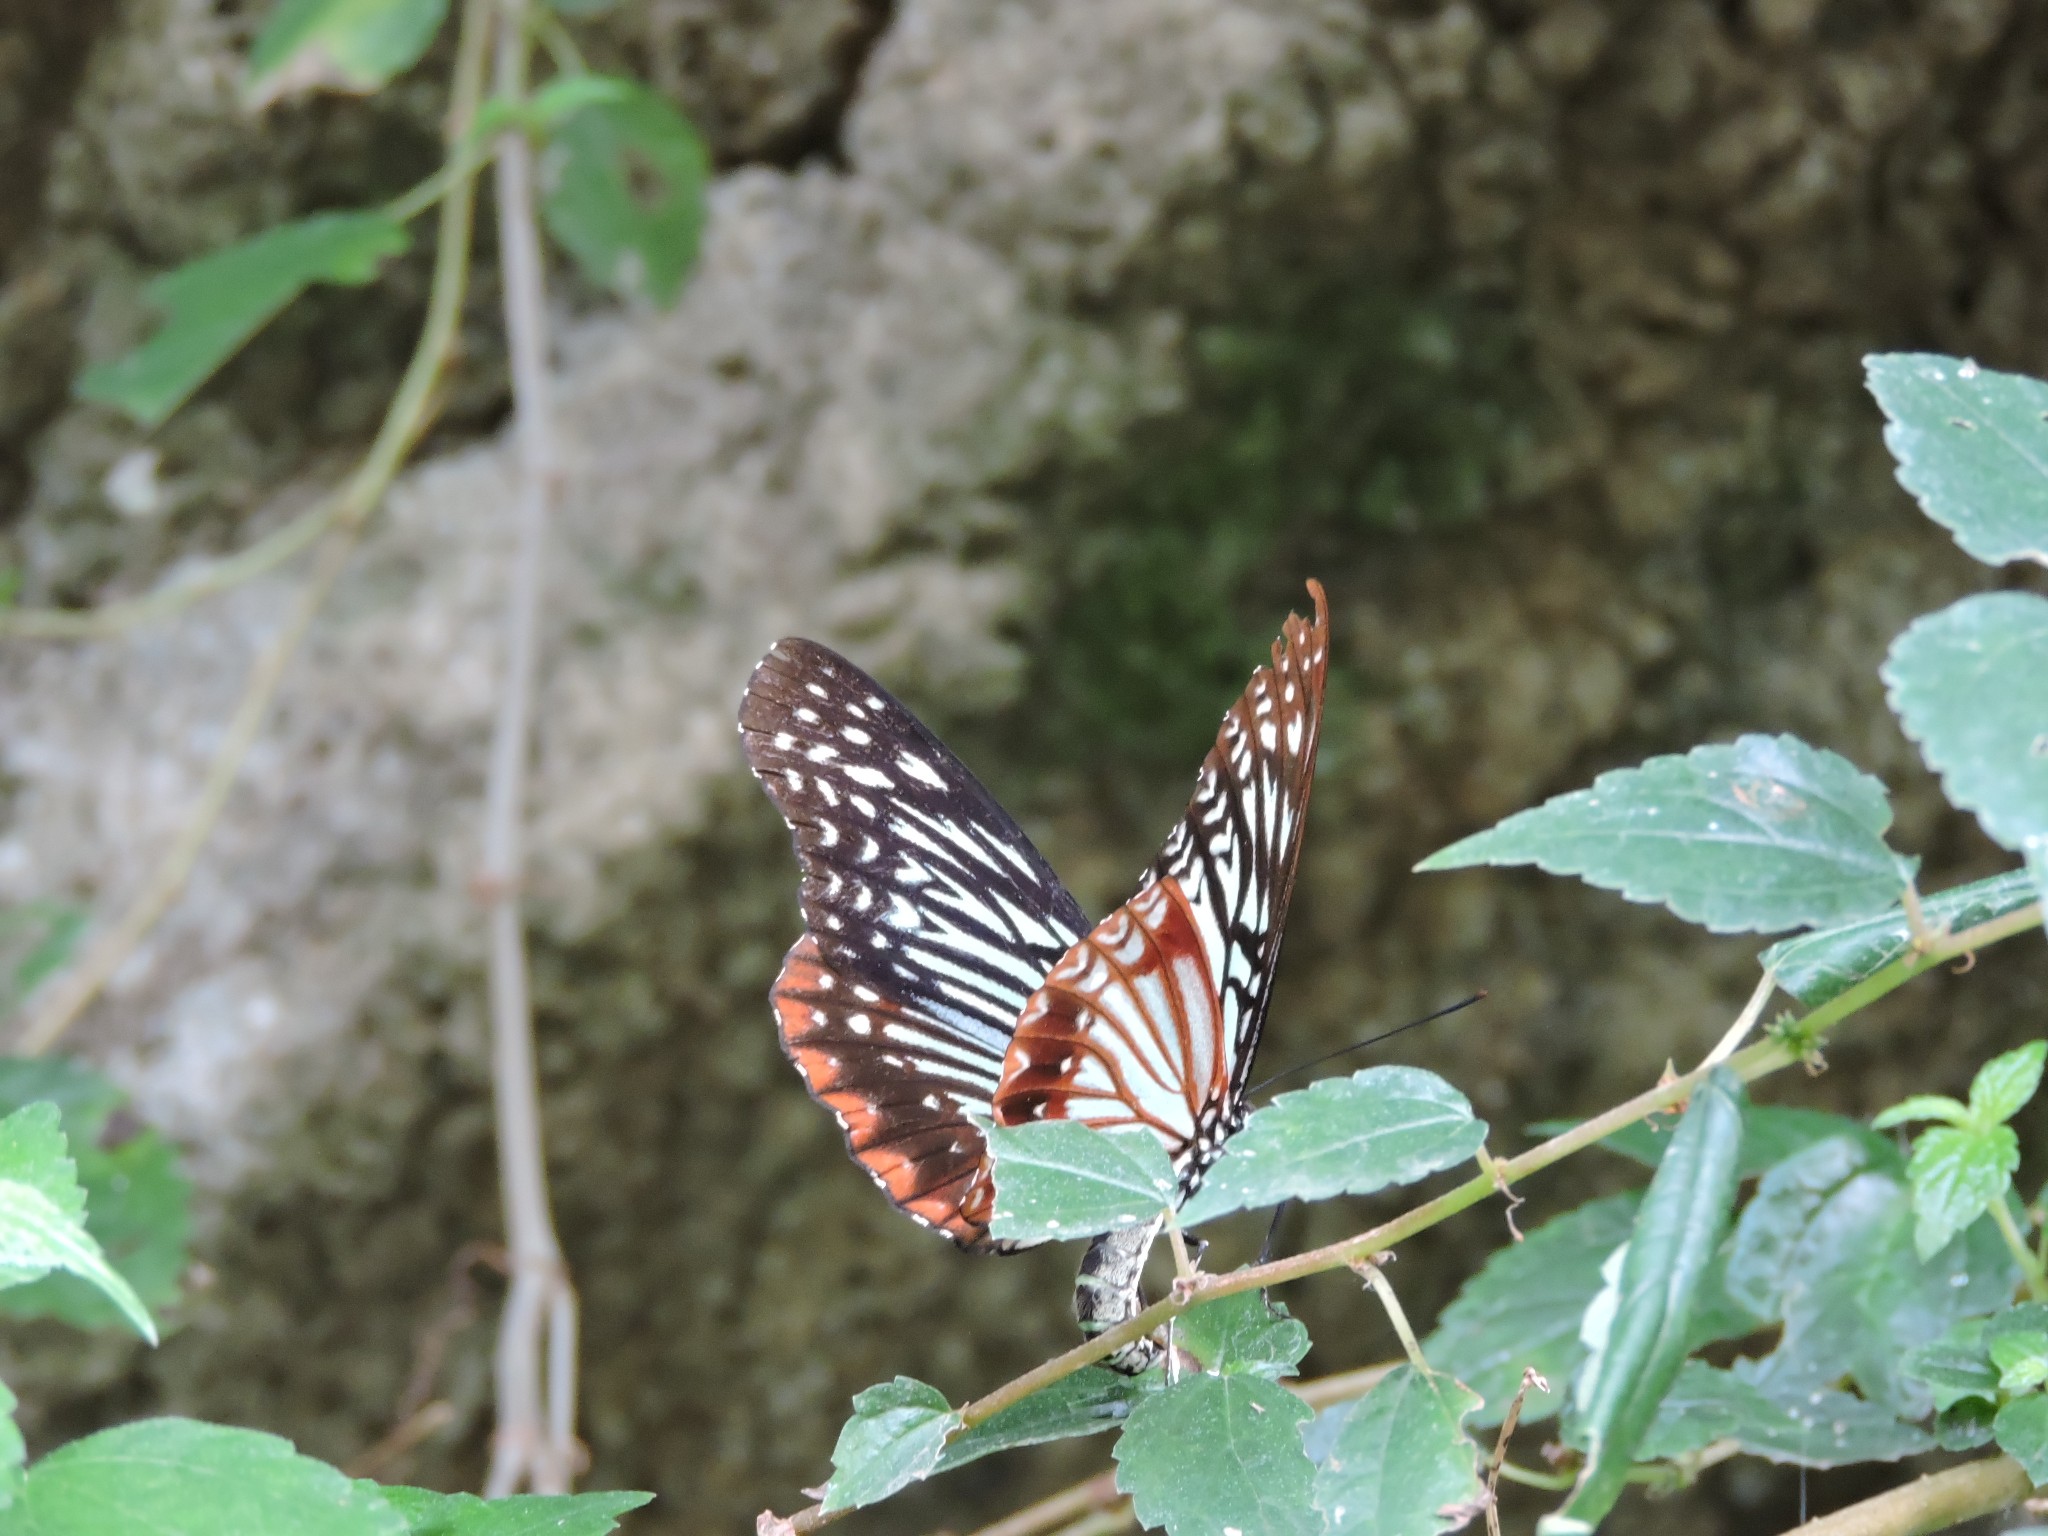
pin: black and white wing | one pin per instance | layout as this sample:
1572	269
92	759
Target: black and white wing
929	921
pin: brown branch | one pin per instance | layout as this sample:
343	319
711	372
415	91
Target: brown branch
1931	1503
410	411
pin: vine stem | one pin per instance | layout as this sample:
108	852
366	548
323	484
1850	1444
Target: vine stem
411	409
1757	1061
1931	1503
2030	1266
535	1444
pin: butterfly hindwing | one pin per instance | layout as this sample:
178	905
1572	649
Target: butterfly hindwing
1153	1018
930	920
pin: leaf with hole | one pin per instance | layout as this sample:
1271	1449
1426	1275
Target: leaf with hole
215	304
1972	448
1060	1179
1765	834
1215	1453
623	178
356	46
895	1438
1342	1136
464	1514
1815	967
1970	686
179	1477
1401	1464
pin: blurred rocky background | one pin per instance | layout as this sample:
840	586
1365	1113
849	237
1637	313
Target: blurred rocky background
1038	352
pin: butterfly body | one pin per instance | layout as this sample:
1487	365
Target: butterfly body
945	976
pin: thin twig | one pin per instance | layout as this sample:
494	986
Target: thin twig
1068	1504
1531	1377
535	1444
1757	1061
1931	1503
410	410
1369	1270
1744	1021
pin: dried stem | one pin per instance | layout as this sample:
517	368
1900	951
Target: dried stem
404	422
1757	1061
535	1444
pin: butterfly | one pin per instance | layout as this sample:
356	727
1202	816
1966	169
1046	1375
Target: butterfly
945	975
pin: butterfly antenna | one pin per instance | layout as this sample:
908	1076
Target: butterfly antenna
1308	1066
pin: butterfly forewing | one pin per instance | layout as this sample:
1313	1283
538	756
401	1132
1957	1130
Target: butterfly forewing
930	920
1153	1018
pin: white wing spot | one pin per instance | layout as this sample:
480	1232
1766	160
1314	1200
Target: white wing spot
864	805
808	715
784	742
856	735
828	834
858	1023
920	770
794	779
814	691
873	778
829	794
822	753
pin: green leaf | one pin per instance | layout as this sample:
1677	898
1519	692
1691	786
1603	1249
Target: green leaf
1085	1403
1402	1458
1813	1429
179	1477
895	1438
1342	1136
1972	449
13	1453
1770	1134
1923	1106
1956	1173
37	937
342	45
1680	1225
1523	1309
1826	1246
623	181
1815	967
1768	833
1955	1367
41	1210
1216	1453
1060	1179
2005	1084
137	1204
464	1514
2021	1430
1244	1334
1970	686
1965	1425
2021	1359
215	304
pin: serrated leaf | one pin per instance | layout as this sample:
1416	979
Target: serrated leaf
1216	1453
1243	1334
1765	834
2021	1359
1956	1173
343	45
1972	449
137	1203
215	304
41	1213
1400	1458
1523	1309
623	180
1965	1426
1379	1127
464	1514
1922	1106
2004	1084
179	1477
1061	1179
895	1438
1085	1403
1815	967
1826	1246
2021	1430
1954	1367
1812	1429
1970	686
1677	1230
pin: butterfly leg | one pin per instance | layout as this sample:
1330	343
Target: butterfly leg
1108	1291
